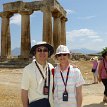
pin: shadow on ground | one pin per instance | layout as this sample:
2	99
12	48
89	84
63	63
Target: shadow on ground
87	84
96	105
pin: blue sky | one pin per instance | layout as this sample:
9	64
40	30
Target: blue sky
86	26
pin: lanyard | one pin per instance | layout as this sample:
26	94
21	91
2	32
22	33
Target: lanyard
65	82
41	71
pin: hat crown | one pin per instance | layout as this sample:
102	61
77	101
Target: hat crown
95	58
41	42
62	49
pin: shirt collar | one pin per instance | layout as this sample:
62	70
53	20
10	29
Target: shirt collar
65	69
41	66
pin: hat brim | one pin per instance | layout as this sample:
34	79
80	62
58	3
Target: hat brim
50	48
62	53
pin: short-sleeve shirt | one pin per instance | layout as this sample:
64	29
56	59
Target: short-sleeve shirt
75	79
34	82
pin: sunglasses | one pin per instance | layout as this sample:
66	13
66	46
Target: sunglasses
59	55
42	50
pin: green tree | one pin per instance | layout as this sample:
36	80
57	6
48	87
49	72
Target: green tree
104	50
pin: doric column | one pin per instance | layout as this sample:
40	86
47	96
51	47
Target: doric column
5	35
47	25
25	33
63	30
56	30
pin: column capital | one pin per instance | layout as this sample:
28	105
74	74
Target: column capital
64	19
6	14
25	12
56	14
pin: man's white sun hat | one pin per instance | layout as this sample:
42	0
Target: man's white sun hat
62	49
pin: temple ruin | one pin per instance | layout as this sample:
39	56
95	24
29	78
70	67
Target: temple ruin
55	33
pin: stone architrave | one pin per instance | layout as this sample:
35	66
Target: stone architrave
25	33
56	30
63	30
5	35
47	25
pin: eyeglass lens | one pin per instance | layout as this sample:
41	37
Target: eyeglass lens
42	50
61	55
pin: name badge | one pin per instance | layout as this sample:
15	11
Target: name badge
65	96
45	90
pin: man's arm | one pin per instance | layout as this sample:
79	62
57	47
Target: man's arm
79	96
24	97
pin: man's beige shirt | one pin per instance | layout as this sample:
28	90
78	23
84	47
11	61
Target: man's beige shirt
33	82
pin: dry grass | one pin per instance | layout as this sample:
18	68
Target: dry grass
10	83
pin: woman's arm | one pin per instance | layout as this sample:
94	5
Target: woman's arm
79	96
100	70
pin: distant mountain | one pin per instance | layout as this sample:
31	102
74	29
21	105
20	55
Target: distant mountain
84	51
16	52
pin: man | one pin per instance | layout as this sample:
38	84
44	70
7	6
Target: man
37	79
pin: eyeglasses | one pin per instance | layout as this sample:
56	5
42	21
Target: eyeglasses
42	50
59	55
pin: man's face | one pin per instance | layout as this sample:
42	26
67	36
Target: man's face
41	54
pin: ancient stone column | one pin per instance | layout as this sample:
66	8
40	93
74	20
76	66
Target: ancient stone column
5	35
63	30
8	43
47	26
25	33
56	30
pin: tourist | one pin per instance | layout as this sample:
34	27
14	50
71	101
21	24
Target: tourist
102	70
94	69
68	81
37	79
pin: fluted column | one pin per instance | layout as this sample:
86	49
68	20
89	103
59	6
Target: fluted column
5	35
63	30
56	30
47	26
25	33
8	43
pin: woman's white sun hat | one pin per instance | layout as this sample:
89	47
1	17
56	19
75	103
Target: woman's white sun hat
62	49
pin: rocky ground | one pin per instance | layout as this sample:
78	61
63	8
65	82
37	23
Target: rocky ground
10	88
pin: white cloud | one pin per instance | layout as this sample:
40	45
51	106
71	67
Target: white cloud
84	33
86	17
69	11
84	38
33	42
16	19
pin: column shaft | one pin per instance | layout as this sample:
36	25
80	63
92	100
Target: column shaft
8	43
47	27
63	31
25	36
5	38
57	32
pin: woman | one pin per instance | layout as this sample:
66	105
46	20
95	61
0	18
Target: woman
68	81
94	69
102	70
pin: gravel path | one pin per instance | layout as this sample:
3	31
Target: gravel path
93	95
10	89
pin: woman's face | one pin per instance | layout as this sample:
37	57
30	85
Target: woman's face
63	58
